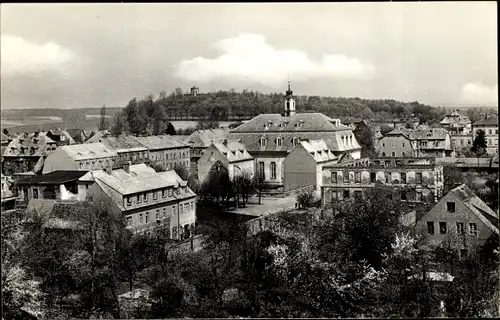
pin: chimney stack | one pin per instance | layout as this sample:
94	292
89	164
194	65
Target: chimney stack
109	168
224	142
126	167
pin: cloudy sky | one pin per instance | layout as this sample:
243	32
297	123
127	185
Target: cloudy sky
83	55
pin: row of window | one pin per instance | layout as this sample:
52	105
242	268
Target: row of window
373	177
162	214
262	173
393	144
460	229
165	192
358	194
92	164
278	141
393	154
170	156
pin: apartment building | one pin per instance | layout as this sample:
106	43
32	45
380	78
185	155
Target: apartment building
81	157
231	155
397	143
489	125
166	151
127	147
148	200
415	180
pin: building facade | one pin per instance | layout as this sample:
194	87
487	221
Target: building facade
166	151
127	147
490	127
303	166
457	123
200	140
269	138
415	180
232	155
148	200
82	157
397	143
459	217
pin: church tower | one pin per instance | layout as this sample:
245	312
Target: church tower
289	102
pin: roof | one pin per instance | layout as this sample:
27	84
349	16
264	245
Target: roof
5	137
298	122
203	138
121	143
490	121
318	150
401	132
59	132
88	151
76	132
139	179
476	206
421	134
55	177
233	151
37	142
160	142
455	118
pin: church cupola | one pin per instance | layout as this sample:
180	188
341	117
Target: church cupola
289	102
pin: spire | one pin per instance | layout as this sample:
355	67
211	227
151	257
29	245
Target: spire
289	92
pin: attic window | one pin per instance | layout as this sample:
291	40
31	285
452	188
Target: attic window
295	141
78	153
263	141
279	141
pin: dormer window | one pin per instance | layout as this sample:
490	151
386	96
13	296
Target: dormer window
35	141
279	141
295	141
263	141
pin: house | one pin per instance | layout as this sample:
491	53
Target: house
460	216
303	166
269	138
126	146
457	123
26	151
166	151
148	200
56	185
61	137
231	155
489	125
397	143
82	157
415	180
200	140
80	135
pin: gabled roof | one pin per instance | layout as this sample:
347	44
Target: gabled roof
54	177
121	143
58	132
37	141
233	151
401	132
421	134
318	150
476	206
160	142
203	138
88	151
4	137
490	121
298	122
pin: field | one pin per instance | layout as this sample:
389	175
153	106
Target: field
33	124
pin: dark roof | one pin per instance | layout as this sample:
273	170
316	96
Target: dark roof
55	177
491	121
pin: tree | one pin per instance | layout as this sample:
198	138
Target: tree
479	144
104	123
5	131
306	198
120	125
170	129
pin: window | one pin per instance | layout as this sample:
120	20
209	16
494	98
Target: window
279	142
393	144
388	177
346	194
139	198
387	163
393	154
169	192
155	195
403	144
357	177
295	142
81	165
373	177
192	205
164	212
450	206
403	195
383	154
89	199
473	229
147	217
346	177
145	197
261	170
129	221
430	227
335	195
383	144
158	214
129	201
490	131
141	221
263	141
273	170
419	196
164	193
419	177
35	193
180	208
442	227
358	195
460	228
334	177
403	177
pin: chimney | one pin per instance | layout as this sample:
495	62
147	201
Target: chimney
37	133
109	168
126	167
224	142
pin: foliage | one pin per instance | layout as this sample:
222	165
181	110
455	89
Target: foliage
479	144
170	129
364	135
306	198
104	123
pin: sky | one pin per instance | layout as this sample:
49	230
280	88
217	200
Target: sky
86	55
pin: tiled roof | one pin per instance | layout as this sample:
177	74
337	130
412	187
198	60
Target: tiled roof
491	121
160	142
233	151
203	138
401	131
299	122
28	141
476	206
122	143
421	134
456	118
58	132
141	178
318	150
55	177
88	151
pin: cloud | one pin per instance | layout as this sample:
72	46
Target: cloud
20	56
478	93
248	57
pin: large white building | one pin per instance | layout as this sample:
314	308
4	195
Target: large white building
269	138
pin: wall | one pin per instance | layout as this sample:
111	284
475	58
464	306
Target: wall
267	168
242	167
207	160
491	135
401	146
300	169
168	158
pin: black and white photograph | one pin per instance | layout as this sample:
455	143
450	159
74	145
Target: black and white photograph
249	160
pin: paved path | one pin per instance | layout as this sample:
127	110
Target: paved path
269	205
